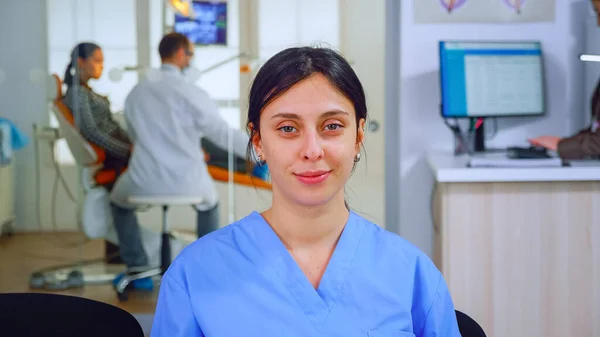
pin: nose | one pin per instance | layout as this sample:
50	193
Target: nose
313	149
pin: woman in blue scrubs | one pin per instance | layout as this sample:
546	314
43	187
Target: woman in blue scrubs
308	266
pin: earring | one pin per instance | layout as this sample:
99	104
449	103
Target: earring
357	158
261	161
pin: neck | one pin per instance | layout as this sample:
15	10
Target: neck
304	227
171	63
83	80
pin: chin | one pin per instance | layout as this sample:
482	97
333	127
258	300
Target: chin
313	197
310	203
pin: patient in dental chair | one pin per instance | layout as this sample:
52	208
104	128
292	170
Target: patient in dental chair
94	119
91	111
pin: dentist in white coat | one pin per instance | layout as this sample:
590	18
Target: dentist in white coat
166	118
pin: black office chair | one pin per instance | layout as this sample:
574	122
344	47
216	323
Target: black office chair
48	315
467	326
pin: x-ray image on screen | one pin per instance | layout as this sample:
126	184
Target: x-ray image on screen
209	27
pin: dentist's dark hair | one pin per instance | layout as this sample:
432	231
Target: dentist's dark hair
171	43
83	50
290	66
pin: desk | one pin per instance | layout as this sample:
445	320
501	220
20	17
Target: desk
520	247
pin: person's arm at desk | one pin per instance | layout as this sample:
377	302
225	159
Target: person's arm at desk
583	144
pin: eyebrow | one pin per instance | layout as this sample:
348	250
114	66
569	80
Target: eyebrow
290	115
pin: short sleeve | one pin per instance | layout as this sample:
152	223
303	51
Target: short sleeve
174	316
441	318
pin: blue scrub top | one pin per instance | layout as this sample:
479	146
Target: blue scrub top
241	281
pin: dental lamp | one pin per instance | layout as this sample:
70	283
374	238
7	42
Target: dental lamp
191	74
182	7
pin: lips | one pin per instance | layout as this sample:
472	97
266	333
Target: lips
312	177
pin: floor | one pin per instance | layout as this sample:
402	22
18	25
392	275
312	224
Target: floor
23	253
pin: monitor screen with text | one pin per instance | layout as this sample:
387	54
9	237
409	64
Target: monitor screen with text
491	79
209	27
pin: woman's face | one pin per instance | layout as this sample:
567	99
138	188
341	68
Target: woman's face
309	138
92	66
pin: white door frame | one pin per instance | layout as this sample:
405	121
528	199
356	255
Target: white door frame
392	115
249	45
142	29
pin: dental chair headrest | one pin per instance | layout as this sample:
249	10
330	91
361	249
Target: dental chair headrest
54	88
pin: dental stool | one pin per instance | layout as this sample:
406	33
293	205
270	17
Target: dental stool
165	244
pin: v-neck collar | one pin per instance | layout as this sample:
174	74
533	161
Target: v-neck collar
316	303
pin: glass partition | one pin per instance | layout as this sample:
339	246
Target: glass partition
71	246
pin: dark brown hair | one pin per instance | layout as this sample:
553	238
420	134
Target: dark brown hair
83	50
171	43
292	65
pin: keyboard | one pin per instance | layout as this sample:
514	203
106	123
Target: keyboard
527	153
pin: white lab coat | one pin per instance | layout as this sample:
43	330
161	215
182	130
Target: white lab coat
166	117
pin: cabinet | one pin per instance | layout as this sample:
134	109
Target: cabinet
520	248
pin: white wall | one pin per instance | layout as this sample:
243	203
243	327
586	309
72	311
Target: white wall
286	23
23	56
421	127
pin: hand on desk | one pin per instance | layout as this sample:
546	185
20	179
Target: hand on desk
549	142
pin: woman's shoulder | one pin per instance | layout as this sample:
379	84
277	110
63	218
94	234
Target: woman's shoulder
220	241
219	254
390	240
397	250
78	91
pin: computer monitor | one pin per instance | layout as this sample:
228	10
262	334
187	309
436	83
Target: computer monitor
209	27
491	79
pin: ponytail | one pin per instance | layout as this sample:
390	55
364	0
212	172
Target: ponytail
68	78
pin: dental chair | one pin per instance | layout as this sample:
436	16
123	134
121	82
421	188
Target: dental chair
96	218
93	222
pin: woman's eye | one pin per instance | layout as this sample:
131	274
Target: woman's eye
332	127
287	129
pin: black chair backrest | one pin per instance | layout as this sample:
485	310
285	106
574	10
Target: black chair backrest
467	326
39	314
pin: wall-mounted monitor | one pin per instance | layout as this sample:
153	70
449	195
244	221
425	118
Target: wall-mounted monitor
208	26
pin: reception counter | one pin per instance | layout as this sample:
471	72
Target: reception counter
520	247
453	169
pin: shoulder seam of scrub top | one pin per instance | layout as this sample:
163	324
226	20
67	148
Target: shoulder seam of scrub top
435	297
176	282
178	265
